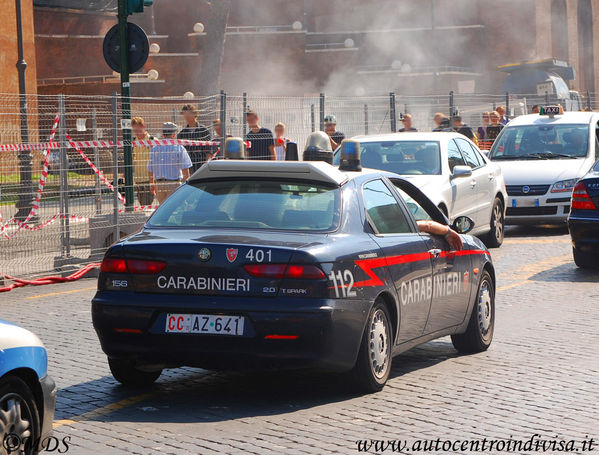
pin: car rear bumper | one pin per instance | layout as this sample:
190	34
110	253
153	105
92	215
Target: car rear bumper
546	209
49	391
328	332
585	233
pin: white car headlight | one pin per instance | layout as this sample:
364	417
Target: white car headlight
564	186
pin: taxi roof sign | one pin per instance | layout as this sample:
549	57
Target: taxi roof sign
551	111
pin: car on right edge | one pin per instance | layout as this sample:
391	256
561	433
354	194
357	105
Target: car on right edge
583	221
542	156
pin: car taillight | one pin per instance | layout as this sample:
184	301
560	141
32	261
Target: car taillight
581	199
135	266
114	265
278	271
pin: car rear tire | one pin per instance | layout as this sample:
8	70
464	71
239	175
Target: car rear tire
19	417
374	358
127	374
584	260
494	238
479	334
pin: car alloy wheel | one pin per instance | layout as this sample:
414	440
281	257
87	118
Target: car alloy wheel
498	222
485	309
379	346
15	424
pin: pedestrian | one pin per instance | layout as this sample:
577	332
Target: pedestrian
216	137
536	109
280	141
441	121
406	119
502	117
462	128
194	131
168	165
330	127
495	126
141	154
262	145
481	132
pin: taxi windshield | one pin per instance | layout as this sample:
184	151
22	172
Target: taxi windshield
401	157
541	142
253	204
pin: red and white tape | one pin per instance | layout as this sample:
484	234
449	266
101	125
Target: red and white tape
93	166
40	187
107	144
29	227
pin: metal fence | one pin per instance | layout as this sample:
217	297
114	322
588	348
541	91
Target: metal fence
61	161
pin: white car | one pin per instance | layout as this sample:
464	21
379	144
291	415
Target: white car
450	170
542	158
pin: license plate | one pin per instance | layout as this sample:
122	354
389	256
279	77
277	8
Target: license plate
204	323
526	202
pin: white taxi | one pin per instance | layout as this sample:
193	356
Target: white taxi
542	156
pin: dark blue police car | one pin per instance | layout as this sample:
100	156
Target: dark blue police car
255	264
583	221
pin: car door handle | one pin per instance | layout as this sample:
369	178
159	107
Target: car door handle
435	252
473	183
491	177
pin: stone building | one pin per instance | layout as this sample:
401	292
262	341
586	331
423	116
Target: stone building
304	46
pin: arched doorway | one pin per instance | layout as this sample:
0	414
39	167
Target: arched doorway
559	29
586	51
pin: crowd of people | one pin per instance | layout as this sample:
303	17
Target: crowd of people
159	170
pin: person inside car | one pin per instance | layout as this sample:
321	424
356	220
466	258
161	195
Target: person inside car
434	228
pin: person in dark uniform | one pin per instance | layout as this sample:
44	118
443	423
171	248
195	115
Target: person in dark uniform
194	131
330	127
262	143
462	128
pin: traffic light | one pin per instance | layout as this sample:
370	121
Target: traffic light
137	6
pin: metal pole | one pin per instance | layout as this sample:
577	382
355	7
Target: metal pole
322	112
223	121
589	107
175	114
126	102
546	98
313	117
366	119
245	109
65	235
392	112
97	162
115	167
451	109
26	197
507	105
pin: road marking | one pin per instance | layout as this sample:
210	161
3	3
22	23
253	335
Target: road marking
523	274
103	410
72	291
536	241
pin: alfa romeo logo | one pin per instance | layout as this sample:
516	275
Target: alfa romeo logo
204	254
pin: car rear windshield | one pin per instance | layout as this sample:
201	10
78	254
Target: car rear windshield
541	142
401	157
251	204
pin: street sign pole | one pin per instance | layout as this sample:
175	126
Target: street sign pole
126	103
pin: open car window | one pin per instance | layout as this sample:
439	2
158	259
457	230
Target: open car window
251	204
420	206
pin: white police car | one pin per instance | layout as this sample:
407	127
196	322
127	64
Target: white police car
542	157
27	393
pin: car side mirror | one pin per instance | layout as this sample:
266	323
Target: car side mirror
461	171
486	152
462	225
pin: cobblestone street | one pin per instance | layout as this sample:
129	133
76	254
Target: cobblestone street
540	376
